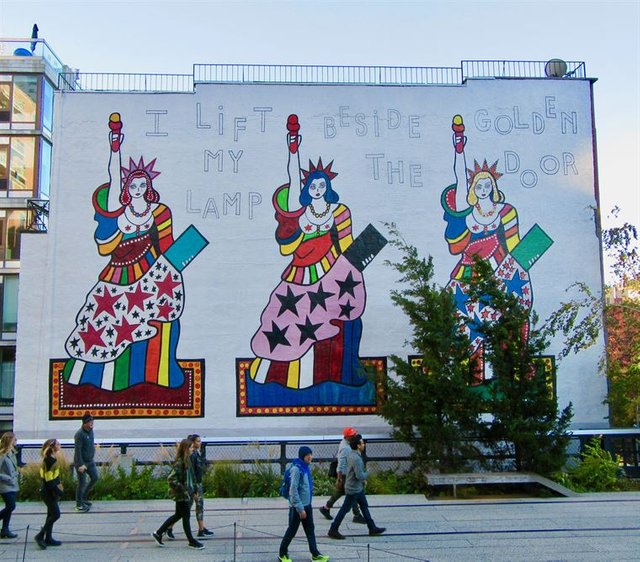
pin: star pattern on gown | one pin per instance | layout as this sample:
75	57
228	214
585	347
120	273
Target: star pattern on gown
288	302
136	298
319	298
114	317
167	286
348	285
276	336
346	309
125	331
308	330
106	304
91	337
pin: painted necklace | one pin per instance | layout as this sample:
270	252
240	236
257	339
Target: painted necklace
139	215
483	214
319	215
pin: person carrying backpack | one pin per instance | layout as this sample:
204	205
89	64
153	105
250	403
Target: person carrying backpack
300	510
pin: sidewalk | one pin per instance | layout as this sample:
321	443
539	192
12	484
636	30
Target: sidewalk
592	527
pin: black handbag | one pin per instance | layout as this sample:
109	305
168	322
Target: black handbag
333	469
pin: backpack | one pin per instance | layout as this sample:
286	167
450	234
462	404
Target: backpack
285	485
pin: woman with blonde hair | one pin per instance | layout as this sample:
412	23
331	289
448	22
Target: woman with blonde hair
182	484
51	491
8	482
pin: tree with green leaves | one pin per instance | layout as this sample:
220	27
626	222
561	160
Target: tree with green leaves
583	318
428	402
525	420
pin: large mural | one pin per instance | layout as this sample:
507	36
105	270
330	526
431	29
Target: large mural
122	352
307	348
480	223
225	272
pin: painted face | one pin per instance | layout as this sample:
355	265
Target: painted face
317	188
483	188
137	187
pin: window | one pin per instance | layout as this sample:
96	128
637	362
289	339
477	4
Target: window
45	169
7	374
5	102
4	162
25	99
16	223
47	106
9	303
22	163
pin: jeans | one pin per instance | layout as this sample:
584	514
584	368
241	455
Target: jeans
53	514
292	529
9	505
183	511
84	486
361	499
338	493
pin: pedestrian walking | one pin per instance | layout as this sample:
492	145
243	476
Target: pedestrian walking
50	491
83	459
181	483
341	469
198	463
356	476
9	482
300	510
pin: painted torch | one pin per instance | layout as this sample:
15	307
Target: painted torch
115	124
293	127
458	133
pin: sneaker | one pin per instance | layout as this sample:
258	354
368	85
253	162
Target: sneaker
158	538
53	542
326	513
40	541
7	534
170	534
83	508
88	503
335	534
197	545
359	519
320	558
377	531
205	533
284	558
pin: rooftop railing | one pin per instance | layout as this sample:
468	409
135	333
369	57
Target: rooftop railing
31	48
316	74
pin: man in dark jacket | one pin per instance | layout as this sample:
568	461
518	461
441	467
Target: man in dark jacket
83	460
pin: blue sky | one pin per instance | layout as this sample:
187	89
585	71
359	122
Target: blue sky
168	37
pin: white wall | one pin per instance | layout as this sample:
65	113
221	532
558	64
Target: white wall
537	123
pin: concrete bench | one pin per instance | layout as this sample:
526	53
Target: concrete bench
482	478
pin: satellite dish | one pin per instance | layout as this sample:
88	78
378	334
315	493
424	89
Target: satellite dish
555	68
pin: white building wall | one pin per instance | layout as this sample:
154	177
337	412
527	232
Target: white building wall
392	149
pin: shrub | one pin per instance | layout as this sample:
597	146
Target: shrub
598	471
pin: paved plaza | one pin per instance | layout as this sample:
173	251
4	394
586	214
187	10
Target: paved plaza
592	527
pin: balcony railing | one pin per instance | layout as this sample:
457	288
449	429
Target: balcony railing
31	48
315	74
37	215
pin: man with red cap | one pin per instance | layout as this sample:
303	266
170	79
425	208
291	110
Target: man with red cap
341	455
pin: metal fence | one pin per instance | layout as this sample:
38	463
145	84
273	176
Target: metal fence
382	453
316	74
522	69
124	82
313	74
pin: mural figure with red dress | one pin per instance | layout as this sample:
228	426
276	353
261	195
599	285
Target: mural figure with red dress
128	329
